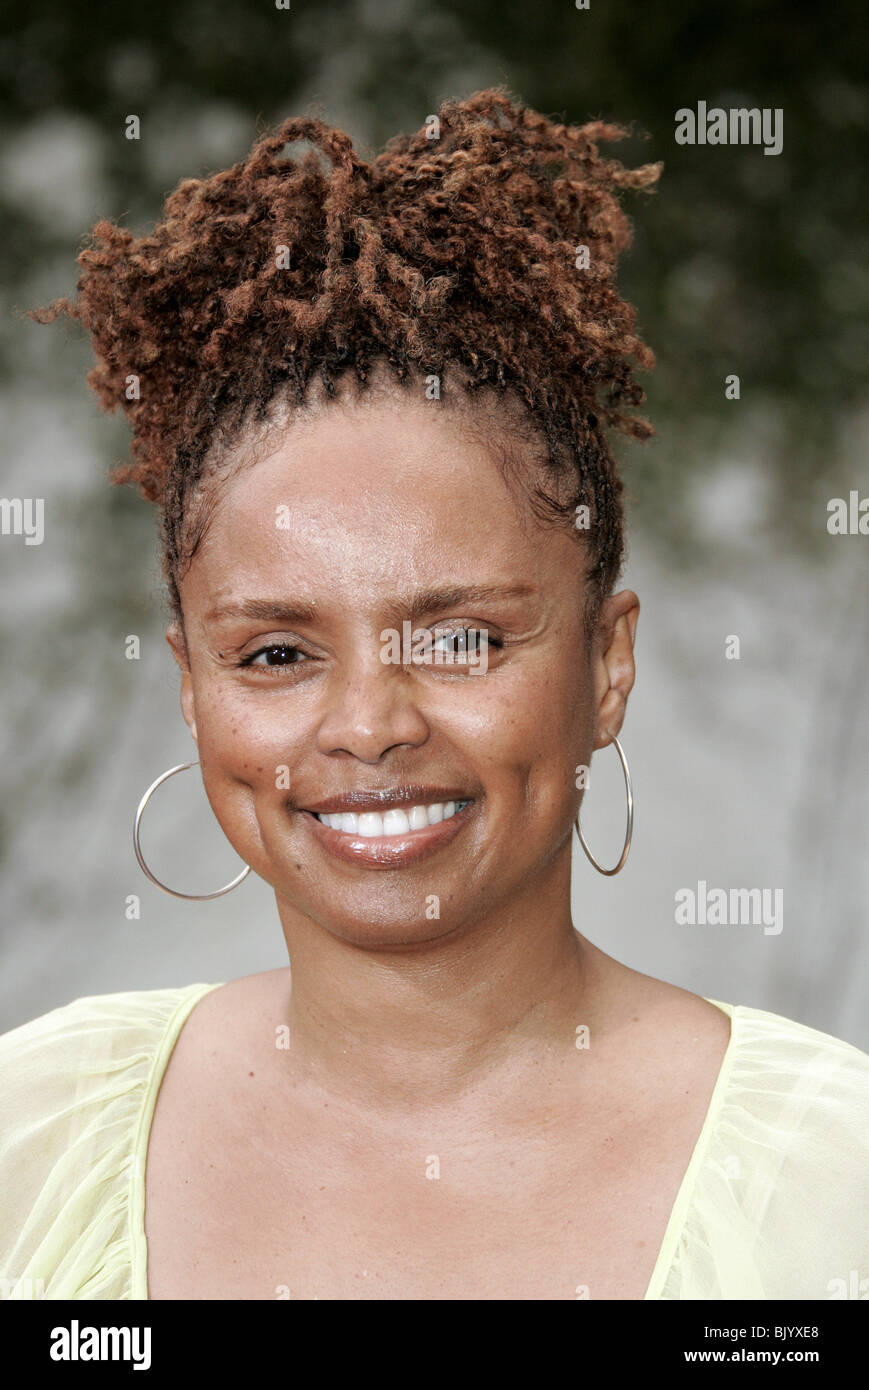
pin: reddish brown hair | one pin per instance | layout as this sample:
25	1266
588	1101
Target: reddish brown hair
456	252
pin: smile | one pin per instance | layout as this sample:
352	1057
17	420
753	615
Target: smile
372	825
389	829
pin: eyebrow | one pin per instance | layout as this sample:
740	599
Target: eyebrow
413	606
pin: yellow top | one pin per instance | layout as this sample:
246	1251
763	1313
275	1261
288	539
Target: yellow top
774	1202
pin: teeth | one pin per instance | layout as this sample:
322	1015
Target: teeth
395	822
374	825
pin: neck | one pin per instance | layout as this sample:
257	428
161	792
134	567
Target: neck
483	1008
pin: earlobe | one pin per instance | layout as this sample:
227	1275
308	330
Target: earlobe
610	718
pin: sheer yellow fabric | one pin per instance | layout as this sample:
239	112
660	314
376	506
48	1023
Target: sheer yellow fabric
774	1202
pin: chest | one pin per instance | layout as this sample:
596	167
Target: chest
324	1210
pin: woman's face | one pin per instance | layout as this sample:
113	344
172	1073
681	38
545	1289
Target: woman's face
322	566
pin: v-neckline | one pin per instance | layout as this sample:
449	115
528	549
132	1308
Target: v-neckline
682	1205
136	1216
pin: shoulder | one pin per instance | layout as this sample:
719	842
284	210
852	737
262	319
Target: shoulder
92	1049
778	1193
76	1084
86	1039
776	1200
234	1022
799	1094
802	1066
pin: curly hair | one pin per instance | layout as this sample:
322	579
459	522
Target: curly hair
461	252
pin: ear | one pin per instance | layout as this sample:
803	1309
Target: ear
614	669
178	642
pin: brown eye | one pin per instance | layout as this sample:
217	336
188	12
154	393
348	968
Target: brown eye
280	655
462	641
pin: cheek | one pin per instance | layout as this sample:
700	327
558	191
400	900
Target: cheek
526	732
242	739
243	746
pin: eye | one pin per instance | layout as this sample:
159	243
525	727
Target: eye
464	641
278	654
458	641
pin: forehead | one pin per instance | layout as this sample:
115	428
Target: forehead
376	492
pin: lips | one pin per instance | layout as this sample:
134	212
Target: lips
386	829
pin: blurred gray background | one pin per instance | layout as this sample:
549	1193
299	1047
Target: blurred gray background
748	773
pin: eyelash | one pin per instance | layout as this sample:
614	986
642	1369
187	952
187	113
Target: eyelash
272	647
248	661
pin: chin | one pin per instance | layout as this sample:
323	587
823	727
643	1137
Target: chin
385	932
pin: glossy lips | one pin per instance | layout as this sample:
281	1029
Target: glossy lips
390	828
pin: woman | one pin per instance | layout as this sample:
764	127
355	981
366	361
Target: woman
370	400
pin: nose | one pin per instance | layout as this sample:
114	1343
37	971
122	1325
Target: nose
371	709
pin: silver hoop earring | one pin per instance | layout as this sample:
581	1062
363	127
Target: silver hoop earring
201	897
630	829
